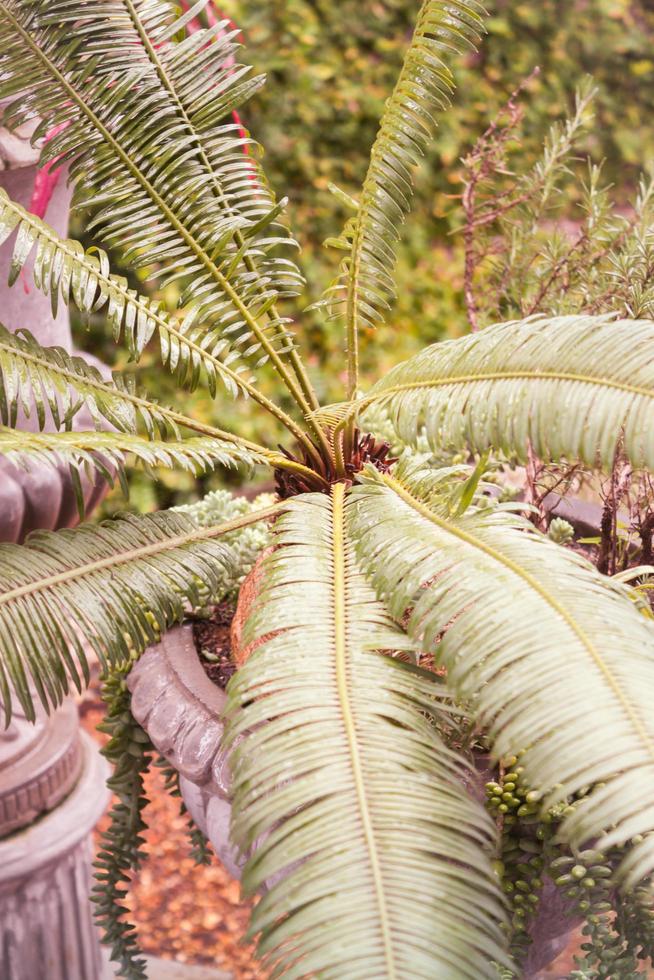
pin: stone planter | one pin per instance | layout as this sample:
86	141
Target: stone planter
180	709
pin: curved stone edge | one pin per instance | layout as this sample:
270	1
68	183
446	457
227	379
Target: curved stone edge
180	709
38	780
63	828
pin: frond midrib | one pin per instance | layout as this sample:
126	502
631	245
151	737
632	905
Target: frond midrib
476	376
405	494
169	544
341	414
342	683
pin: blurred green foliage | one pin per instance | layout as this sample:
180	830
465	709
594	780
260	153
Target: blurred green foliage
330	67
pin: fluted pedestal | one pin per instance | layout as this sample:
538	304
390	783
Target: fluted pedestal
46	926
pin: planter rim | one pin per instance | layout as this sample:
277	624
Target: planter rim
179	707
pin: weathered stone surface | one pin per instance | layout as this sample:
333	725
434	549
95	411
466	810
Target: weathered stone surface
16	150
174	700
550	930
180	709
46	927
39	765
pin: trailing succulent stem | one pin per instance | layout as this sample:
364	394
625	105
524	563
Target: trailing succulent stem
120	850
200	848
618	926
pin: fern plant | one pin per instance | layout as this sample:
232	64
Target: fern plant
404	619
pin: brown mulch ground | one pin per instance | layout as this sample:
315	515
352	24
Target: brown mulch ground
189	913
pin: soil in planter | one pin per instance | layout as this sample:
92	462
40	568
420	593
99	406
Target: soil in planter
213	643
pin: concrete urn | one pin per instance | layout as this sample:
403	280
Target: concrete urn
52	792
52	777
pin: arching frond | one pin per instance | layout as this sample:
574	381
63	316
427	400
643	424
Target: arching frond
177	66
62	267
106	451
374	854
50	382
365	284
551	656
140	164
575	387
115	585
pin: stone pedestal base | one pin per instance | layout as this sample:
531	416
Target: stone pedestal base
46	925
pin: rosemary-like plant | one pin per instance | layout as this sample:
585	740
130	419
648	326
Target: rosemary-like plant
350	797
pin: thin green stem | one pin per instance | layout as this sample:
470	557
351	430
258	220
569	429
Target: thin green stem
352	342
339	420
339	456
352	321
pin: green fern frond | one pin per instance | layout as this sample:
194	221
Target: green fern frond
51	381
106	451
140	164
365	286
113	586
62	267
176	67
540	645
350	808
575	387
